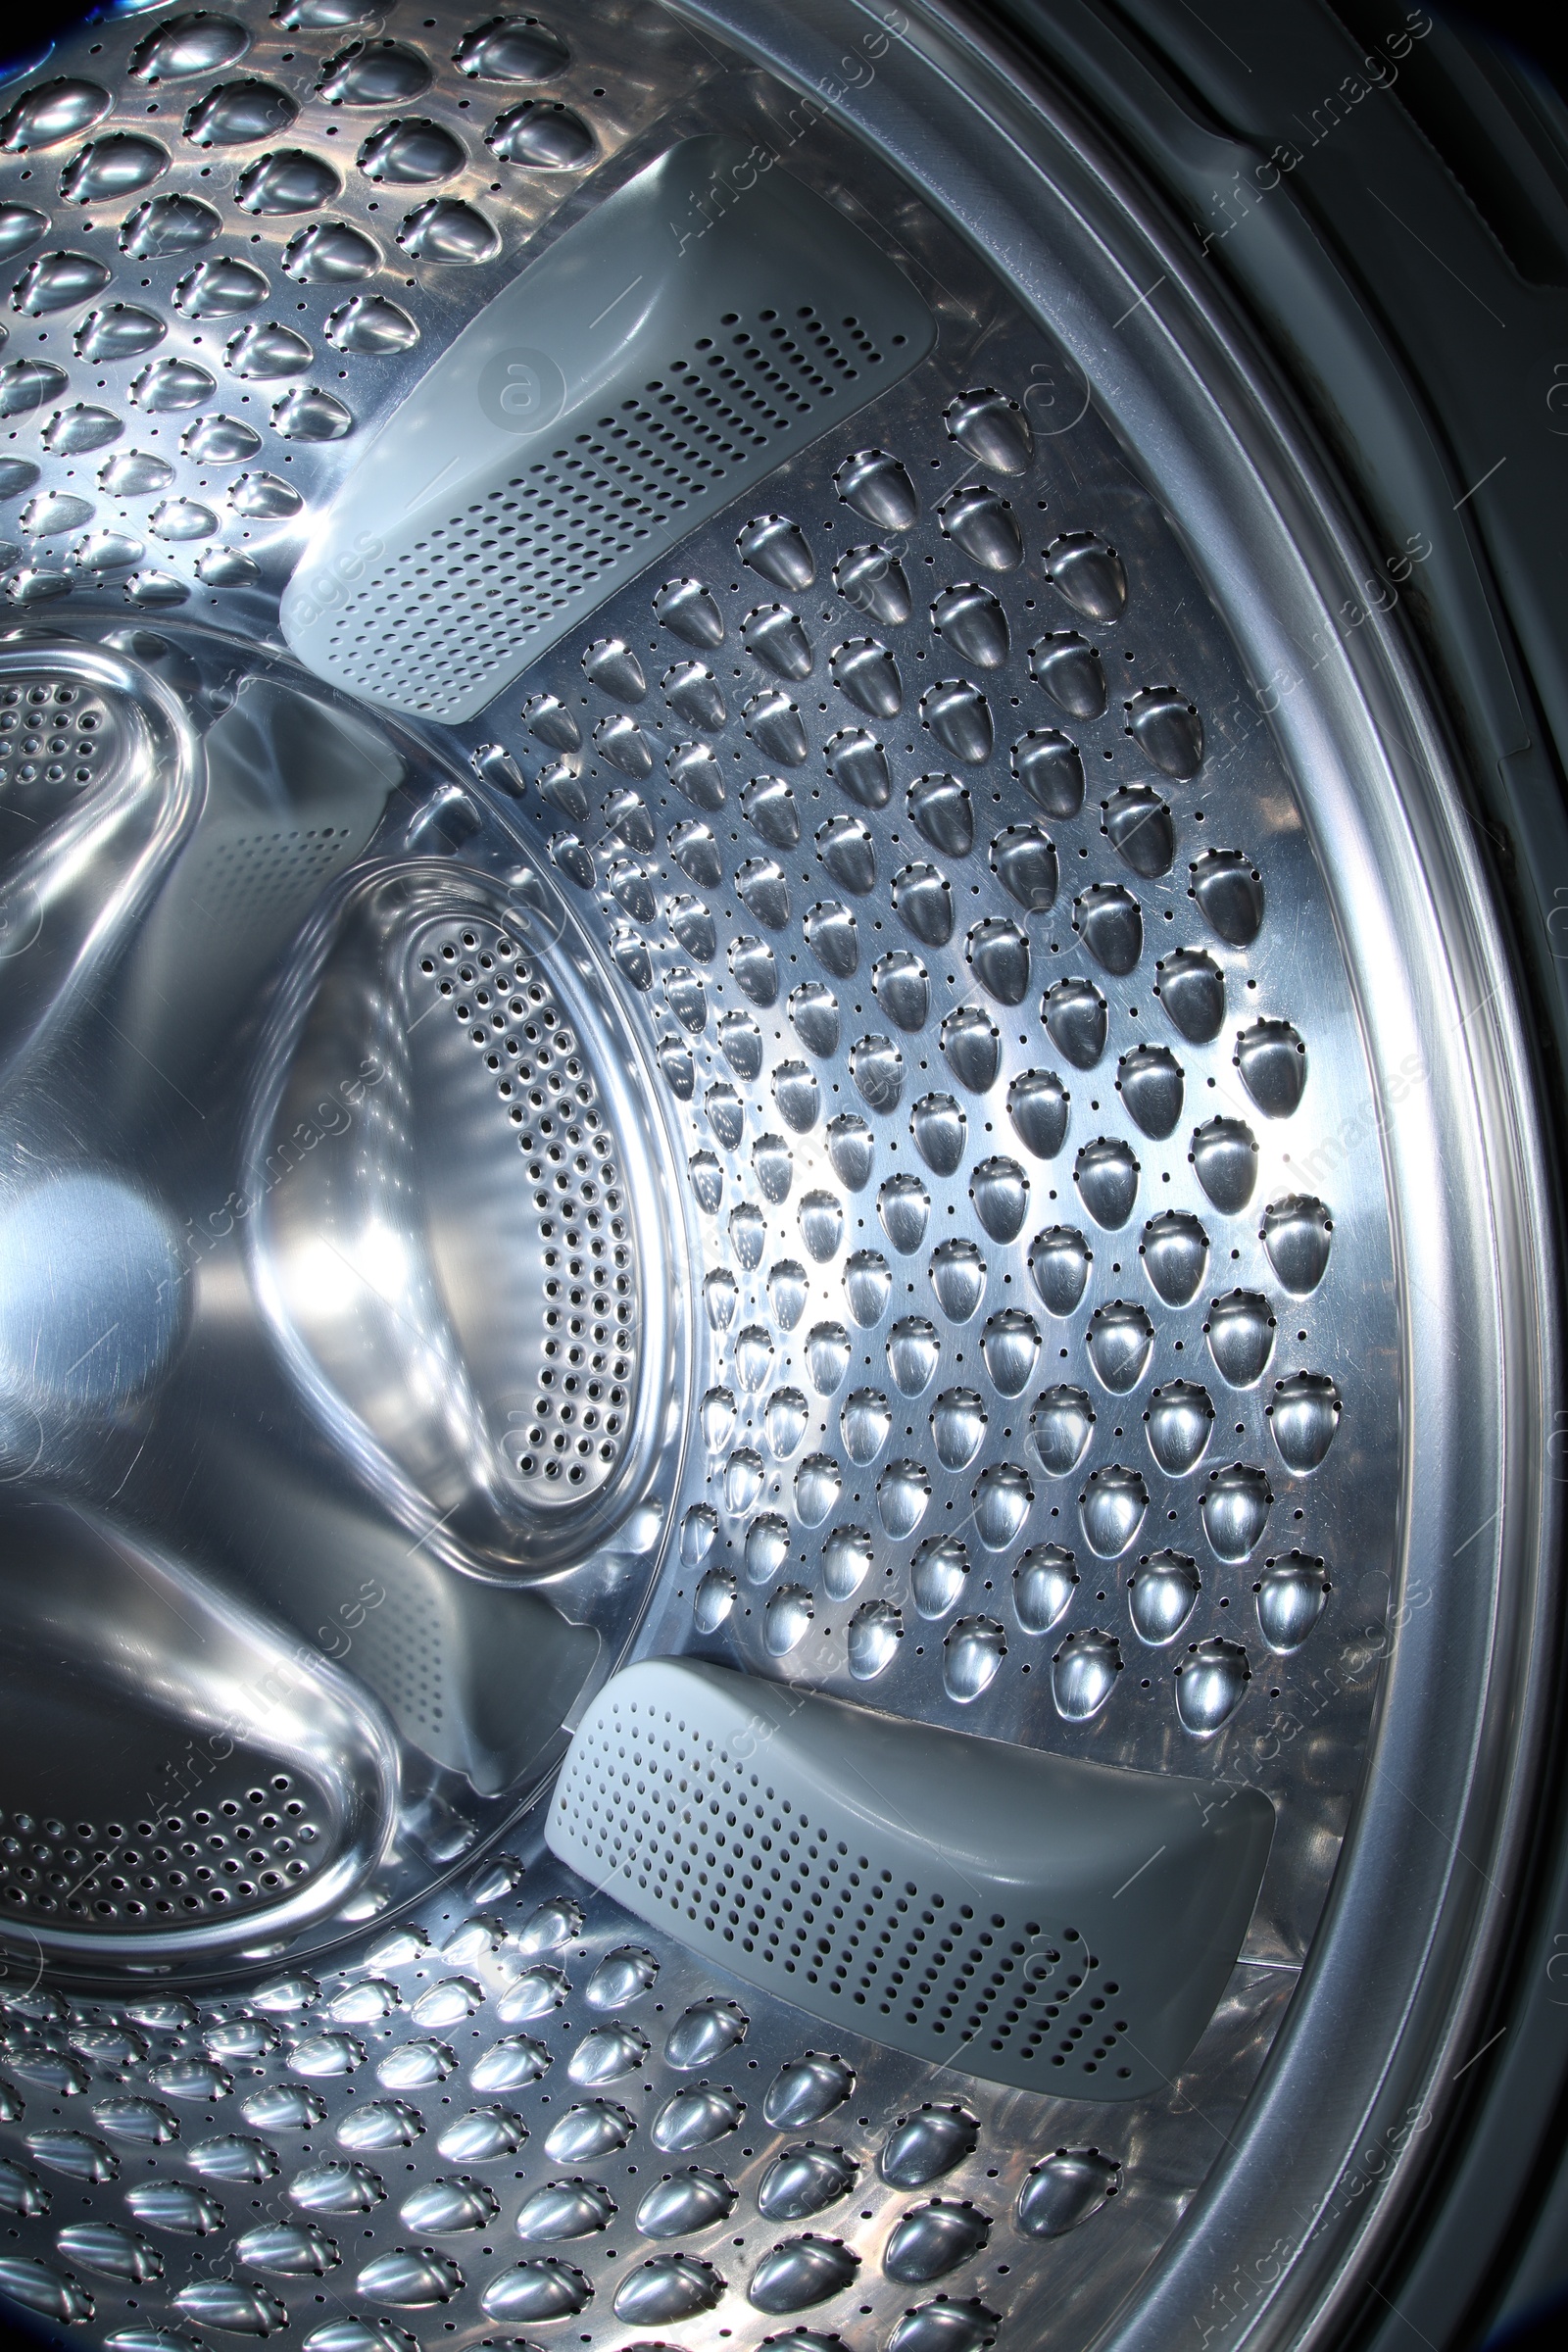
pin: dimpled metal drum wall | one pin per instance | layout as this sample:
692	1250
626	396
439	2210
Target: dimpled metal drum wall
734	1205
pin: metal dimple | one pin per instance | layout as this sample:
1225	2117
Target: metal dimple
483	2135
959	715
998	953
1060	1426
1077	1020
1112	1510
187	45
904	1205
932	2239
116	2253
604	2054
447	2207
872	580
1211	1684
1152	1084
1163	1592
1063	2189
1179	1422
1139	826
712	1601
1084	1672
1049	768
859	767
704	2033
52	111
688	2201
373	73
287	2250
1023	859
923	898
772	634
903	988
1002	1498
1068	667
873	1639
957	1273
1302	1417
177	2206
1297	1234
1229	891
1235	1506
1290	1595
768	1548
1271	1058
802	2272
992	428
235	114
538	2291
979	520
670	2289
847	1558
844	847
380	2125
687	608
877	486
591	2128
974	623
511	49
511	2063
821	1225
1043	1586
770	806
923	2147
1090	574
776	547
971	1655
542	135
695	2119
945	2326
1009	1347
1240	1331
937	1576
939	1129
690	689
959	1421
334	2188
1120	1342
564	2210
1225	1155
1167	730
1191	987
803	2182
806	2089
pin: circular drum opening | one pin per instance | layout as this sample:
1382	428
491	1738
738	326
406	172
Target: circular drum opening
789	1056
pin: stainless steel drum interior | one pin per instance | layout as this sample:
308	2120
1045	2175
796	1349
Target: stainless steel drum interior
804	1052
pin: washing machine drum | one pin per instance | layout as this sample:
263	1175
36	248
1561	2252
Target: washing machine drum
766	1313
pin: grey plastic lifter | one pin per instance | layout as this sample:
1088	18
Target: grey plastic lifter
1057	1925
662	356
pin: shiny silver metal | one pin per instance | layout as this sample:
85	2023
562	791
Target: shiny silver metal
168	1343
572	436
1329	2161
253	1788
1014	1325
472	1302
